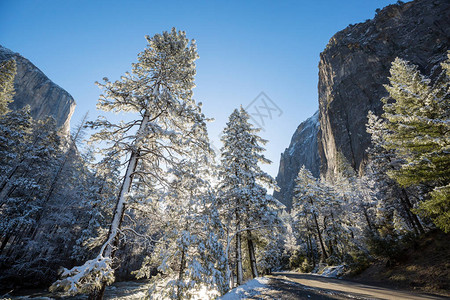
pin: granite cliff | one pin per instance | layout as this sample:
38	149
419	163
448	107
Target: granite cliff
303	150
34	88
355	65
352	70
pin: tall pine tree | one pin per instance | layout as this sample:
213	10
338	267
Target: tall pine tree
418	129
8	71
159	93
244	199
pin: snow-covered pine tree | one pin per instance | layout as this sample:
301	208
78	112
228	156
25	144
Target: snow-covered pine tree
394	201
418	129
22	197
68	176
306	205
15	132
159	92
356	202
99	195
244	200
189	255
335	224
8	71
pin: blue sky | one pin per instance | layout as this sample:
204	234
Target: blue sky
245	48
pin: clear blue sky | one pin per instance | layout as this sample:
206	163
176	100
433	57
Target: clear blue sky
245	47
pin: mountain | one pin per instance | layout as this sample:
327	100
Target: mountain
303	150
355	65
352	70
34	88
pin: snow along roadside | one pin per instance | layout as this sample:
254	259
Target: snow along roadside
249	289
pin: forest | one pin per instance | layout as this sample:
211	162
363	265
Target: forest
148	197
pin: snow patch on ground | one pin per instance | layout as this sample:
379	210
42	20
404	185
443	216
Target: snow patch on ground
249	289
333	271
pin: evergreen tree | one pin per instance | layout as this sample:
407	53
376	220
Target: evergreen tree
159	91
8	70
189	254
394	201
22	200
244	199
306	206
417	128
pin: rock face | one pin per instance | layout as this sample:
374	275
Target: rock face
352	70
34	88
303	150
355	65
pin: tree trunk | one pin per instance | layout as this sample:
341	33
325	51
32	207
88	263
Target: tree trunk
109	248
413	216
322	246
251	255
239	273
3	184
369	224
309	250
180	274
112	241
409	218
4	242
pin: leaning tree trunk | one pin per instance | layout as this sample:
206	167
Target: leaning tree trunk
119	211
182	264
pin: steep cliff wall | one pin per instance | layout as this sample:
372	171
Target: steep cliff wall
355	65
352	70
34	88
303	150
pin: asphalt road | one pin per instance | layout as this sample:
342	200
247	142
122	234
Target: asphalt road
289	285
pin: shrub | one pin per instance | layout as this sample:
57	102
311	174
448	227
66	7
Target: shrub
306	266
296	260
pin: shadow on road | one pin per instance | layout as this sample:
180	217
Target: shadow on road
349	288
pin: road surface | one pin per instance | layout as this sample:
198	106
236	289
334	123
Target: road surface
289	285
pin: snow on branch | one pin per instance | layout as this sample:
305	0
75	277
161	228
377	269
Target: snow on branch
85	278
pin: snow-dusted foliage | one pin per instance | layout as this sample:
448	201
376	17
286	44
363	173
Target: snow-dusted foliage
306	205
244	202
168	123
8	71
99	195
29	148
416	128
189	254
43	177
86	278
393	213
331	216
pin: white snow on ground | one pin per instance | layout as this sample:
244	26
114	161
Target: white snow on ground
249	289
333	271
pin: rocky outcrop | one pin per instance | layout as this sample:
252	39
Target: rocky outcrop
352	70
303	150
355	65
34	88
